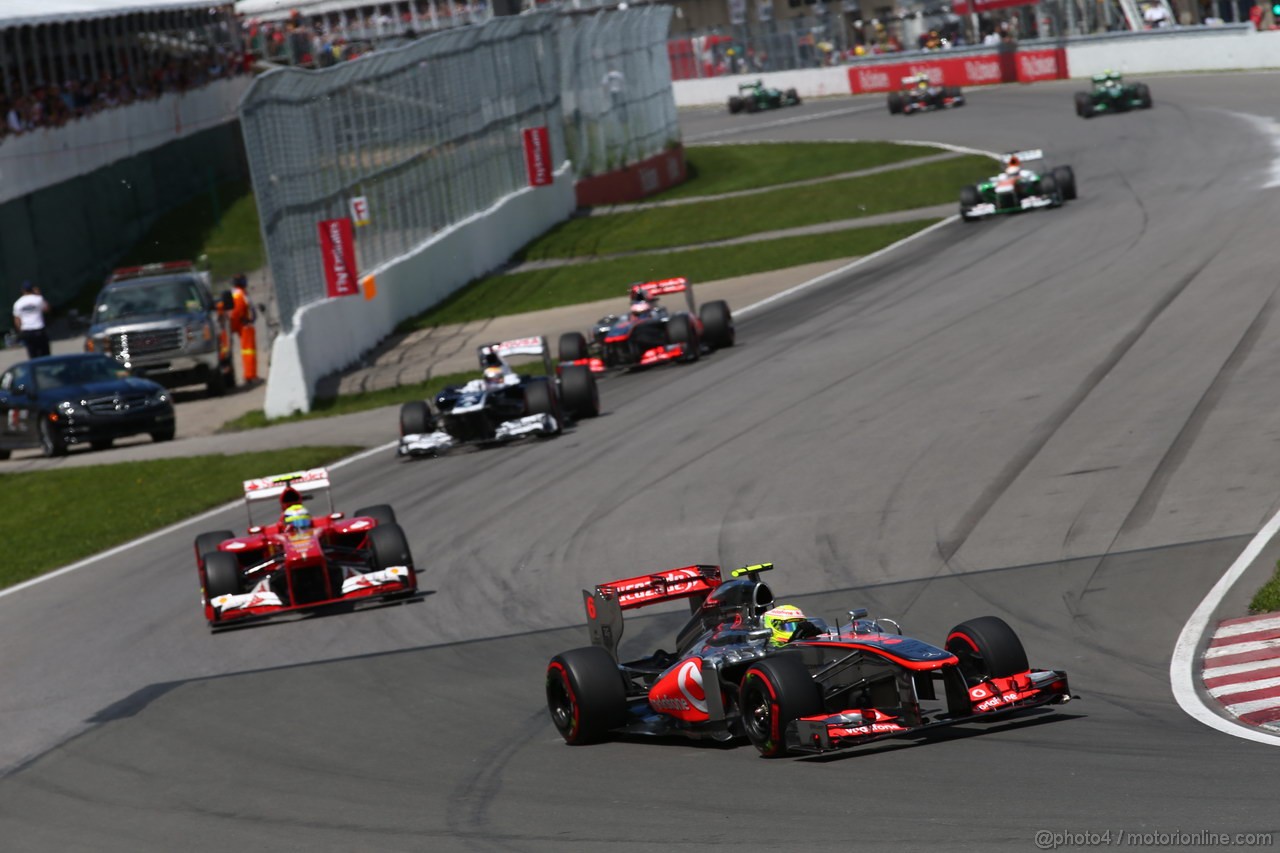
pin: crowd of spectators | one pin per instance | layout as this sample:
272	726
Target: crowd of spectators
48	105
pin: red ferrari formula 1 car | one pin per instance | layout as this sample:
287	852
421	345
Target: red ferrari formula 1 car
300	562
650	334
825	689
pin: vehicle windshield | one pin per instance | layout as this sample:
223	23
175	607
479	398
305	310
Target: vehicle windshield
76	371
166	296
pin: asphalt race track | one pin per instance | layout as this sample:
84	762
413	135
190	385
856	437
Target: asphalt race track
1070	419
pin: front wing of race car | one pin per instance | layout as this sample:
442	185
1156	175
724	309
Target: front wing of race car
1033	202
920	105
356	586
435	443
651	356
830	732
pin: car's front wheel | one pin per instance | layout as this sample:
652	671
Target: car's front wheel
987	648
585	695
381	513
774	692
680	330
717	324
52	441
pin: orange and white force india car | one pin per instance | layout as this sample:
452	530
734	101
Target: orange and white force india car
276	568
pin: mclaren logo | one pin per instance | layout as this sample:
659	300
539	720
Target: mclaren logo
690	682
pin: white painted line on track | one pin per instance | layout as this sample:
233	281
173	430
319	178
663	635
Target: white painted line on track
849	267
156	534
1182	667
783	122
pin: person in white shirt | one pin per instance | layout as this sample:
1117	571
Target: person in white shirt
28	319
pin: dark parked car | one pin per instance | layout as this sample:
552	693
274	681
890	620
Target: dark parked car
60	400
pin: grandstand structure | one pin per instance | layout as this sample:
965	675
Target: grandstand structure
112	112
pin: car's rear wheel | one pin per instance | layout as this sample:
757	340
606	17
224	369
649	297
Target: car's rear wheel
102	443
1144	95
5	454
165	433
1066	178
793	96
381	513
896	103
987	648
585	695
572	347
680	330
52	442
579	393
416	418
216	384
1084	104
735	104
207	543
221	575
774	692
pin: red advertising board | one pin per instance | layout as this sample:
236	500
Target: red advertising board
961	7
979	69
537	156
338	249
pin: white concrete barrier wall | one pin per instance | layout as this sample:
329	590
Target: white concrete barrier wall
44	157
1190	49
1228	50
335	333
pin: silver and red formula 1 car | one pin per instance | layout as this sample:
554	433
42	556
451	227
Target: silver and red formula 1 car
828	688
284	565
649	333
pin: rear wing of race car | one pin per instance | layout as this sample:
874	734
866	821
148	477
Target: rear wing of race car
1024	156
649	291
300	486
605	604
496	355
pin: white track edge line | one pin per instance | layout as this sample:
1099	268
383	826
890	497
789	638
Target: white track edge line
164	531
1182	663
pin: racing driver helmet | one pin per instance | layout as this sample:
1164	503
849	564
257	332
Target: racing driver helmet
1014	166
640	309
493	376
783	621
297	519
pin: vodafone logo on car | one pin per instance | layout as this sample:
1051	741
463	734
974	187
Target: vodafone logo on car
689	680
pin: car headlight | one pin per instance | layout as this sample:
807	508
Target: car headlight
159	398
67	408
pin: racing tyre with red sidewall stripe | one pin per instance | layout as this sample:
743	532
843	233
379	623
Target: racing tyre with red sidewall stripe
717	324
774	692
578	391
381	513
208	542
987	648
681	330
572	346
585	695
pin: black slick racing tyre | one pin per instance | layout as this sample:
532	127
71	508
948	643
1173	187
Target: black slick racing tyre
1049	187
680	330
1066	178
895	103
416	418
969	198
735	104
987	648
1084	105
381	513
221	575
207	543
717	324
794	97
389	547
540	399
572	347
579	393
52	442
585	695
1144	95
774	692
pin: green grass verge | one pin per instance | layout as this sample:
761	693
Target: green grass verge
660	228
534	290
88	502
715	169
1267	599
